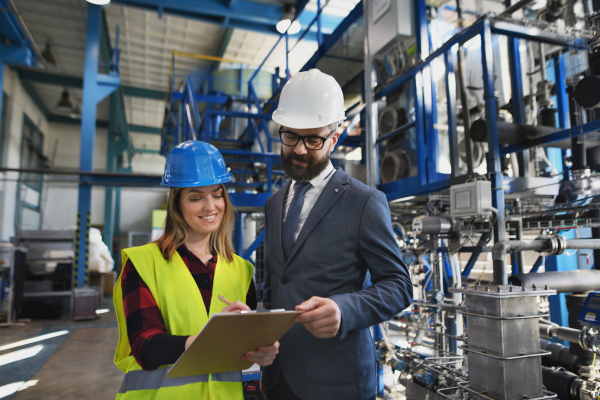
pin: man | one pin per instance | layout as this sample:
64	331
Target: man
325	232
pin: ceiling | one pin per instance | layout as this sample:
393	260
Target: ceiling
147	41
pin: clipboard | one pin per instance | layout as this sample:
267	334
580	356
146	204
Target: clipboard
226	338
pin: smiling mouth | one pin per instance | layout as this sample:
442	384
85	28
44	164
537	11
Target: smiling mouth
209	218
299	162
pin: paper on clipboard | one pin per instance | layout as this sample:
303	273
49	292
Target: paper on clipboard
227	337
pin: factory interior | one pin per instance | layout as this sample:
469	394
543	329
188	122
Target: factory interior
473	117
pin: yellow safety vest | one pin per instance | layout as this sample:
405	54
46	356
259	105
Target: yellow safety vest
183	311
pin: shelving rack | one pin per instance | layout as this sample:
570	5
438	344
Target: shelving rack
45	250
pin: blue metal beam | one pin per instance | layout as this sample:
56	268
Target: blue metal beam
70	81
144	129
250	15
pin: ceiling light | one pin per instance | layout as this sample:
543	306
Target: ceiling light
48	55
99	2
64	105
76	112
289	12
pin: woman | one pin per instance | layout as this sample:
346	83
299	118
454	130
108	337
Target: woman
168	289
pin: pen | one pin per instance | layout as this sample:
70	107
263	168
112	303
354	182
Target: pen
224	300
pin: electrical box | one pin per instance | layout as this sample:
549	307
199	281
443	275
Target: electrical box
389	21
590	312
471	199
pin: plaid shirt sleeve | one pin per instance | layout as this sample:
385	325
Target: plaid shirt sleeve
143	317
151	346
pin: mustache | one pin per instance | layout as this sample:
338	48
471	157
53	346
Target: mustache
301	158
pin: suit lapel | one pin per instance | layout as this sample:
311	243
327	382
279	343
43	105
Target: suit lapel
331	193
279	210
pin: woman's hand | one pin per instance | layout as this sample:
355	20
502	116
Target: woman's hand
189	341
236	306
264	356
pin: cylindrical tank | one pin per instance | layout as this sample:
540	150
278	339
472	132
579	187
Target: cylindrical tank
228	82
425	225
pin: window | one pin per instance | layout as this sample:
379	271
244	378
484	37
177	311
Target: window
3	127
32	156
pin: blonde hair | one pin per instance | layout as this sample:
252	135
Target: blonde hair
175	233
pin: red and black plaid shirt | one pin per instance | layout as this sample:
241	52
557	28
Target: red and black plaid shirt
150	344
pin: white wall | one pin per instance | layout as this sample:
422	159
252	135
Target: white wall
59	195
19	103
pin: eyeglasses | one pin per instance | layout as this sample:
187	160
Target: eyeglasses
310	142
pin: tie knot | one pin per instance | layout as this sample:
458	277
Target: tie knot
301	187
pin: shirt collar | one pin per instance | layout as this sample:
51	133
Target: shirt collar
319	180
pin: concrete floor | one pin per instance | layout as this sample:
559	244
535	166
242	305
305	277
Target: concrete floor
79	363
75	365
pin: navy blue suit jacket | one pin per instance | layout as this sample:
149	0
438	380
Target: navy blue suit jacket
347	234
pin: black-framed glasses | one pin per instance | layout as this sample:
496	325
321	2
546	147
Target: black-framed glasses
310	142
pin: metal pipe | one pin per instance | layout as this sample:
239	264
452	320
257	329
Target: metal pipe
509	133
543	61
462	80
37	52
553	245
520	254
370	110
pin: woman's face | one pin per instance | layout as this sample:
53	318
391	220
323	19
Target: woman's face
203	207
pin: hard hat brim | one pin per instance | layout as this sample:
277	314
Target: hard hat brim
204	182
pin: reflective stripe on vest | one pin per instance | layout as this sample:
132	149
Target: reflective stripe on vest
153	380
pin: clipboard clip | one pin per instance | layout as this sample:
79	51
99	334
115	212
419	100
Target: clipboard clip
261	311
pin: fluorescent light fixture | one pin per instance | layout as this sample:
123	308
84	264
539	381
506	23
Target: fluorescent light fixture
102	311
285	22
20	354
32	340
295	28
99	2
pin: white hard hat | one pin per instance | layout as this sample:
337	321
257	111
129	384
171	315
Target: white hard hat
310	100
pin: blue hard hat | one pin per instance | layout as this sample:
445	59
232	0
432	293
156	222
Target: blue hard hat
195	163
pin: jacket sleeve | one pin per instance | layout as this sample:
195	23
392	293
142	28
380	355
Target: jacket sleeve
267	303
391	289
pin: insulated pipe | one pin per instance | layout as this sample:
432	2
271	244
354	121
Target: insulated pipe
462	79
563	333
553	245
577	281
509	133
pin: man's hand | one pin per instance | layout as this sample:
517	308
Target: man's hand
263	356
322	317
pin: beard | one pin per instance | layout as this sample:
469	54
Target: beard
305	173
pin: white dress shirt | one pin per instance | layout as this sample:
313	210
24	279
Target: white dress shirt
311	196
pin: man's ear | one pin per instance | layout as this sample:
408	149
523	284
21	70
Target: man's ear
334	140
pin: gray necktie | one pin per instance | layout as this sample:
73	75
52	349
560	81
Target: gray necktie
291	221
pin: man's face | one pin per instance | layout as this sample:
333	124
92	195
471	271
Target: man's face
302	164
